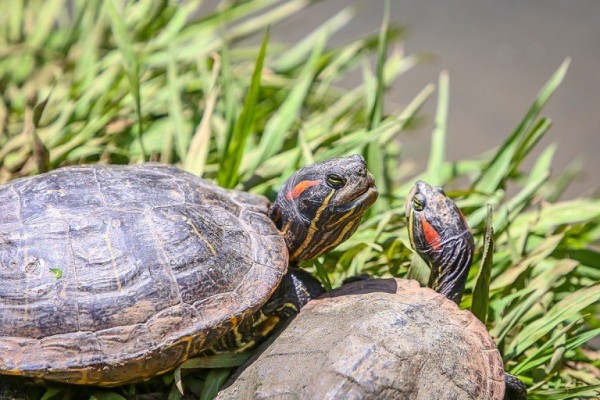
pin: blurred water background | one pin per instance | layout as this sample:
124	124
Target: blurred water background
499	54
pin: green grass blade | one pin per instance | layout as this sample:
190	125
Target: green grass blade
376	112
15	21
120	63
214	380
590	392
529	142
418	270
175	393
267	18
278	126
542	355
563	181
132	68
51	393
107	396
43	28
566	213
182	137
223	360
537	177
495	172
373	154
177	380
232	156
195	160
562	312
438	139
322	274
480	301
297	54
535	256
355	141
531	295
231	93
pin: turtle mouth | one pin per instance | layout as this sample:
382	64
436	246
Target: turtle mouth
362	201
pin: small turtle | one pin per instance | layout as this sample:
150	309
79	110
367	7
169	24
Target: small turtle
388	338
115	274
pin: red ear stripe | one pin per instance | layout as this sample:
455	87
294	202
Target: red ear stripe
431	235
300	188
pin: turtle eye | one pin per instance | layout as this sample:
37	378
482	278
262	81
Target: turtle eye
418	202
335	181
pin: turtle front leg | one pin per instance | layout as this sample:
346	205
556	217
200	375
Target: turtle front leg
296	289
514	388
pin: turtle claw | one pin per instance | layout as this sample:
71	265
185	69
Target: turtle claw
515	389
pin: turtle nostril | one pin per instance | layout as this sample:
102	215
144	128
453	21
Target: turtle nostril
370	179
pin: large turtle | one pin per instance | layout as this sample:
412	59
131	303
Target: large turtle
388	338
114	274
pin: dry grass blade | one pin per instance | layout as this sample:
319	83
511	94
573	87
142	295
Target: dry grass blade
232	158
199	147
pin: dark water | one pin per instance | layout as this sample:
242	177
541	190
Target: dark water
499	54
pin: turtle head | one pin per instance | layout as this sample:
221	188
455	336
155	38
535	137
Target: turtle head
321	205
439	232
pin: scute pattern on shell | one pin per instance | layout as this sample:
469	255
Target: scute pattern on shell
155	262
376	339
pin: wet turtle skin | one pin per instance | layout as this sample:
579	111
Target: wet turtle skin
376	339
389	338
115	274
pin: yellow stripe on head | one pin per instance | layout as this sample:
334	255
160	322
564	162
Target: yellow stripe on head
342	236
312	229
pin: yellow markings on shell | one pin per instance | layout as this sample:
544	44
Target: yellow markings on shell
266	326
313	226
84	376
112	257
269	325
188	348
185	357
259	318
239	339
233	320
200	235
12	372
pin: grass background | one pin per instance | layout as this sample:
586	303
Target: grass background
127	82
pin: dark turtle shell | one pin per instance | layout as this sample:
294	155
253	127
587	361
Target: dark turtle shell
117	273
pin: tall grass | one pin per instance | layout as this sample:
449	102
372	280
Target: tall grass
123	82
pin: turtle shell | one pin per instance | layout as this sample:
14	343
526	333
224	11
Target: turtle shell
376	339
112	274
